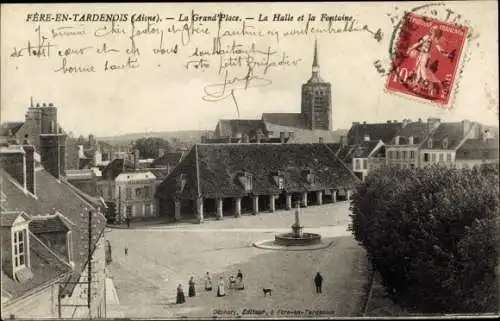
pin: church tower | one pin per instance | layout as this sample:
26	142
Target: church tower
316	105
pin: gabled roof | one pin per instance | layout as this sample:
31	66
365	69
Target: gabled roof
446	136
295	120
478	149
140	175
305	136
113	169
364	149
54	195
212	170
46	267
47	224
13	127
379	131
233	127
8	218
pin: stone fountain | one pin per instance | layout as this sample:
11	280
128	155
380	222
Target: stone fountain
297	237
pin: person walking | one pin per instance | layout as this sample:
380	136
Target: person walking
239	276
180	295
220	287
192	290
208	282
318	281
126	251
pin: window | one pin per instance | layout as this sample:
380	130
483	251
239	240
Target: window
448	157
426	157
441	157
433	157
365	164
412	155
19	248
129	193
138	193
129	211
357	164
404	154
412	165
147	191
397	155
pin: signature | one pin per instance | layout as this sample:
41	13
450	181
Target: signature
223	90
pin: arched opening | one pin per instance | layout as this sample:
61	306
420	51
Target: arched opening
280	202
209	207
264	203
188	208
246	205
312	198
227	206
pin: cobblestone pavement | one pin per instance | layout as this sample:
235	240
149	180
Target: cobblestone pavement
161	257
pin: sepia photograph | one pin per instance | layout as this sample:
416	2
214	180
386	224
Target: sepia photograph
239	160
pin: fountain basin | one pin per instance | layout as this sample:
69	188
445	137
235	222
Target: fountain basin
292	239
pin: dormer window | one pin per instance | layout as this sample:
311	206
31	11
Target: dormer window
309	176
279	180
429	143
15	227
445	143
246	181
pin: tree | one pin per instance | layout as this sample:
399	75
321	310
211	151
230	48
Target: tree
149	146
432	234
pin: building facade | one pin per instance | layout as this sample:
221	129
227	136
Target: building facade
52	252
233	179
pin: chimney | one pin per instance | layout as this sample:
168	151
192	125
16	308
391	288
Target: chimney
396	140
366	138
342	141
389	121
29	154
136	158
282	137
53	153
433	123
321	140
410	140
364	123
13	161
420	120
466	126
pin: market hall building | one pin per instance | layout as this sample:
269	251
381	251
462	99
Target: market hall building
215	180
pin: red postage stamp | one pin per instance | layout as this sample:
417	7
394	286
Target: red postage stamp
426	59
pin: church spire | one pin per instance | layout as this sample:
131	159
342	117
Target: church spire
315	65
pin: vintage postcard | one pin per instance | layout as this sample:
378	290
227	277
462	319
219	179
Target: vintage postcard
249	160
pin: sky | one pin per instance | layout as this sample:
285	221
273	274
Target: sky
165	91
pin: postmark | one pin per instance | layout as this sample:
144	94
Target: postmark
427	59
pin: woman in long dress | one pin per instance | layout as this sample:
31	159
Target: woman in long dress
208	282
192	291
220	287
180	295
